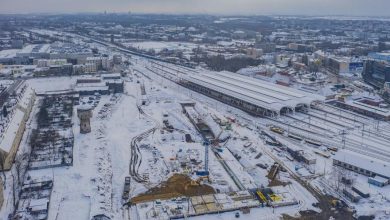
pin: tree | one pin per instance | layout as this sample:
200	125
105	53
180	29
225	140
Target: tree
315	66
43	117
5	111
21	163
14	191
339	177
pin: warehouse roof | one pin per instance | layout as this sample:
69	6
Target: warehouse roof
367	163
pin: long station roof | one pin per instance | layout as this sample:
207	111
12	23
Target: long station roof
258	92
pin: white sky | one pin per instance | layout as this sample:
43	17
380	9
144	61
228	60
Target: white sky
249	7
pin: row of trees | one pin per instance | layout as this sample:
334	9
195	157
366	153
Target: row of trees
220	63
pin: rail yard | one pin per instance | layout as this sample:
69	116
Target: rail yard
130	134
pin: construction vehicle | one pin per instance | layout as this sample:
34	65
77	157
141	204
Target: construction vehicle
336	203
198	181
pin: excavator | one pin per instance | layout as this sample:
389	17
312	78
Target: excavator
197	182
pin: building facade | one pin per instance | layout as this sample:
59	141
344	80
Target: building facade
376	72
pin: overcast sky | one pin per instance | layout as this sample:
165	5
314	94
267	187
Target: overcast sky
279	7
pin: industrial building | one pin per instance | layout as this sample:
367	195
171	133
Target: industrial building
360	164
105	84
254	96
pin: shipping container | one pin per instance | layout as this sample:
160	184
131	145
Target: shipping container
378	181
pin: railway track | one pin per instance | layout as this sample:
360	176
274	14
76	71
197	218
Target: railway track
333	116
385	137
350	144
343	126
136	156
288	126
322	108
311	125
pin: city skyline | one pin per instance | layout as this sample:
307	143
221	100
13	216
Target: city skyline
219	7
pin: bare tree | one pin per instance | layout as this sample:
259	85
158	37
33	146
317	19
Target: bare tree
14	191
21	163
339	177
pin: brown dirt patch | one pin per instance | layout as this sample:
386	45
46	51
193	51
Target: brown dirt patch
177	185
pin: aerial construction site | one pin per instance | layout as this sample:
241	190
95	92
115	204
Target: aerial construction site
142	137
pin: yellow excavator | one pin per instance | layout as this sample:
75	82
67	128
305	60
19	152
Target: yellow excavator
198	182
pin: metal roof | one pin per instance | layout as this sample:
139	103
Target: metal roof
371	164
258	92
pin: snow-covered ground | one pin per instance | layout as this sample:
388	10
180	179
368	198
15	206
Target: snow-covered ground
94	183
375	134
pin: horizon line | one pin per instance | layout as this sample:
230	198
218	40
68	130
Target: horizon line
192	14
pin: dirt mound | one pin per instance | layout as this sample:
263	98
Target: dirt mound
175	186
